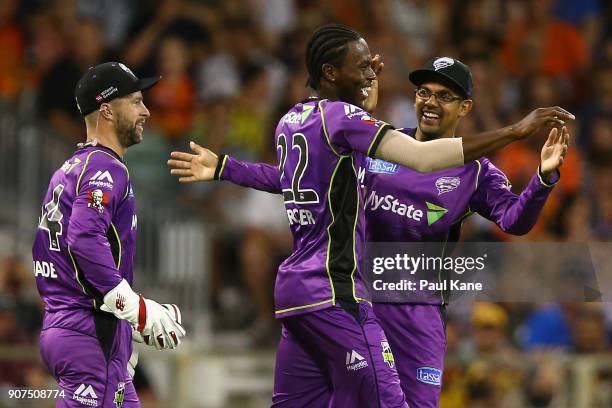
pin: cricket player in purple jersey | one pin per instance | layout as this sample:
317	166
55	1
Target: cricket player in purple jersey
405	206
333	351
84	249
402	205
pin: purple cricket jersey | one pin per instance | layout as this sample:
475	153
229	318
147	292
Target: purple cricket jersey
315	142
86	236
403	205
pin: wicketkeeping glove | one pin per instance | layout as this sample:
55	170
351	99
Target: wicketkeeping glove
146	338
159	325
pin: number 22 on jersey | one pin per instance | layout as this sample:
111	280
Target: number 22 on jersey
295	194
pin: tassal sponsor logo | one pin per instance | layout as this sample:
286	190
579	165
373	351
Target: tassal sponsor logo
381	166
429	375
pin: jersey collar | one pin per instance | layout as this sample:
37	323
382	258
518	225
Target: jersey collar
85	145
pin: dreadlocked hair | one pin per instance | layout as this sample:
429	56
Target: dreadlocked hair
327	46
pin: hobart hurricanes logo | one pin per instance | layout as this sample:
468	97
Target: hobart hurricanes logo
447	184
443	62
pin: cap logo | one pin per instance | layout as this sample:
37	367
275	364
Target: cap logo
443	63
126	69
106	93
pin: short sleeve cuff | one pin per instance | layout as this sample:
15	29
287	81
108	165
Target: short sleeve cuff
220	167
377	138
554	178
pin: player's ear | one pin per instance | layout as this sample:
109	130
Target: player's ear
465	107
106	111
329	72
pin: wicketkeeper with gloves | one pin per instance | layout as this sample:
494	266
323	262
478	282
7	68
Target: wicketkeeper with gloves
84	248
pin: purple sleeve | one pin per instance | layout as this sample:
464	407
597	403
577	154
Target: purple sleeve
349	128
514	214
102	186
260	176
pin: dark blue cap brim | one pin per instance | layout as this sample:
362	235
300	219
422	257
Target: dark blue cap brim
141	85
146	83
420	76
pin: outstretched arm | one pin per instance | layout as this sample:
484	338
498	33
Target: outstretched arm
517	214
260	176
440	154
204	165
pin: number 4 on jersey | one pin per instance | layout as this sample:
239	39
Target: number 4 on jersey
295	194
50	218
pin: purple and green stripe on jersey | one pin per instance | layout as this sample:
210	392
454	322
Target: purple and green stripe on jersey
318	143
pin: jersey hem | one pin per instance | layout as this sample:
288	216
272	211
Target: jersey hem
297	310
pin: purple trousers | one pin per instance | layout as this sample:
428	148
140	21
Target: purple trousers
89	360
333	358
418	338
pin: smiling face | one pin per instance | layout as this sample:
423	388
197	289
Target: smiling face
131	116
437	118
351	81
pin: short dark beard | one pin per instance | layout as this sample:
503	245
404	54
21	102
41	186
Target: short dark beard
126	132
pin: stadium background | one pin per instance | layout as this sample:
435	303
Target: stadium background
231	68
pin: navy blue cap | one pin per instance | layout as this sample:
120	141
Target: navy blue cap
447	71
105	82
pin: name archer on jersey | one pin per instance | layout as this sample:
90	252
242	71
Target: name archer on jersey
300	216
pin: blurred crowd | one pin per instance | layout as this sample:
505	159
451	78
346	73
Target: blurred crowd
231	68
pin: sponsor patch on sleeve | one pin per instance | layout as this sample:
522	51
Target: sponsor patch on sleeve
371	121
381	166
429	375
97	199
387	354
101	179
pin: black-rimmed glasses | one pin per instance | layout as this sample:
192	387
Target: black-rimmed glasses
442	96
